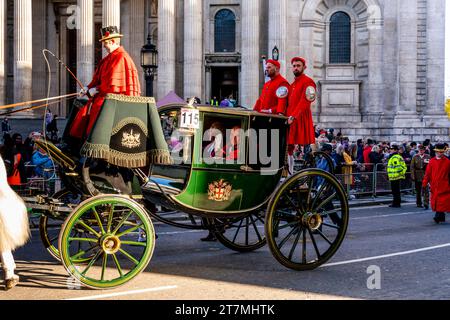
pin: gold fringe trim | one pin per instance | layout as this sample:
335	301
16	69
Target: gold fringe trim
121	159
133	99
97	151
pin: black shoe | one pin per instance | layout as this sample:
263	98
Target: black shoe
425	207
395	206
209	237
419	206
439	217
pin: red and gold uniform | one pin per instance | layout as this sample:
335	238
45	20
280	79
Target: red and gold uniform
274	94
116	73
302	94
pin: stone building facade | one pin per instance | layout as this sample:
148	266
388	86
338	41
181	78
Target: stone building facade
379	64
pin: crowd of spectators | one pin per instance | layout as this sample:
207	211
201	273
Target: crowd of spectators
24	160
368	154
355	161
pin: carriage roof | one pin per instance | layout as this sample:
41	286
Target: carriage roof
239	111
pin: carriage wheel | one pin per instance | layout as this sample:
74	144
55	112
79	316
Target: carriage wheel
50	226
118	244
243	234
312	159
306	219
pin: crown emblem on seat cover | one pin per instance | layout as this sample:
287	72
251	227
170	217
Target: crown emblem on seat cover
130	140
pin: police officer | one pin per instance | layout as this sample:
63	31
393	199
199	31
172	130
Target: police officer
396	170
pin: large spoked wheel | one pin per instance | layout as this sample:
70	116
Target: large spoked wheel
307	219
118	244
50	226
241	234
313	159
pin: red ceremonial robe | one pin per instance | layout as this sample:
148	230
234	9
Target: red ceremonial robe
301	131
116	73
269	99
438	175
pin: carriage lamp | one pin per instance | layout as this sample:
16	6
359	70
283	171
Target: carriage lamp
275	53
149	62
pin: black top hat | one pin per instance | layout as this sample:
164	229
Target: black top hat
110	33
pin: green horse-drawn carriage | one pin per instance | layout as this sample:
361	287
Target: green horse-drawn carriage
218	169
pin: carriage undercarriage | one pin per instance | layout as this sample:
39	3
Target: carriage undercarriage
101	228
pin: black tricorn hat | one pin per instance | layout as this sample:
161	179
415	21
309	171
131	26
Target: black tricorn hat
110	33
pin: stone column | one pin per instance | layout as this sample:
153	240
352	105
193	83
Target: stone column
193	48
278	20
376	65
2	52
250	67
137	36
166	47
23	53
111	13
435	64
407	64
85	39
39	42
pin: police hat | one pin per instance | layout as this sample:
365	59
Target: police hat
440	147
394	147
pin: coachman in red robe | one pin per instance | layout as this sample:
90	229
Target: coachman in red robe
116	73
302	94
275	92
437	175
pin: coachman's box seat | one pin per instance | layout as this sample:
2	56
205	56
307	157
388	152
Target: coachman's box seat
128	133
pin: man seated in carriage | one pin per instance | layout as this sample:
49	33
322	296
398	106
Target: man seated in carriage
214	135
231	149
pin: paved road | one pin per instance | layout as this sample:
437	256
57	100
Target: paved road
410	252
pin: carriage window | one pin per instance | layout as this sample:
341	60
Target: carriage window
223	141
267	143
179	141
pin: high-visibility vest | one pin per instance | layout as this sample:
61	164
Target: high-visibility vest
396	168
214	102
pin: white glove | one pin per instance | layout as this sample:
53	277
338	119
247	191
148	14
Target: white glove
93	91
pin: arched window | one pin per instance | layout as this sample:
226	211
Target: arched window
340	38
225	31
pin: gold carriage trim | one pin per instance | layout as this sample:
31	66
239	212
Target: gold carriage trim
124	98
130	120
121	159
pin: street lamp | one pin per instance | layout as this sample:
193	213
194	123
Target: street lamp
275	53
149	62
